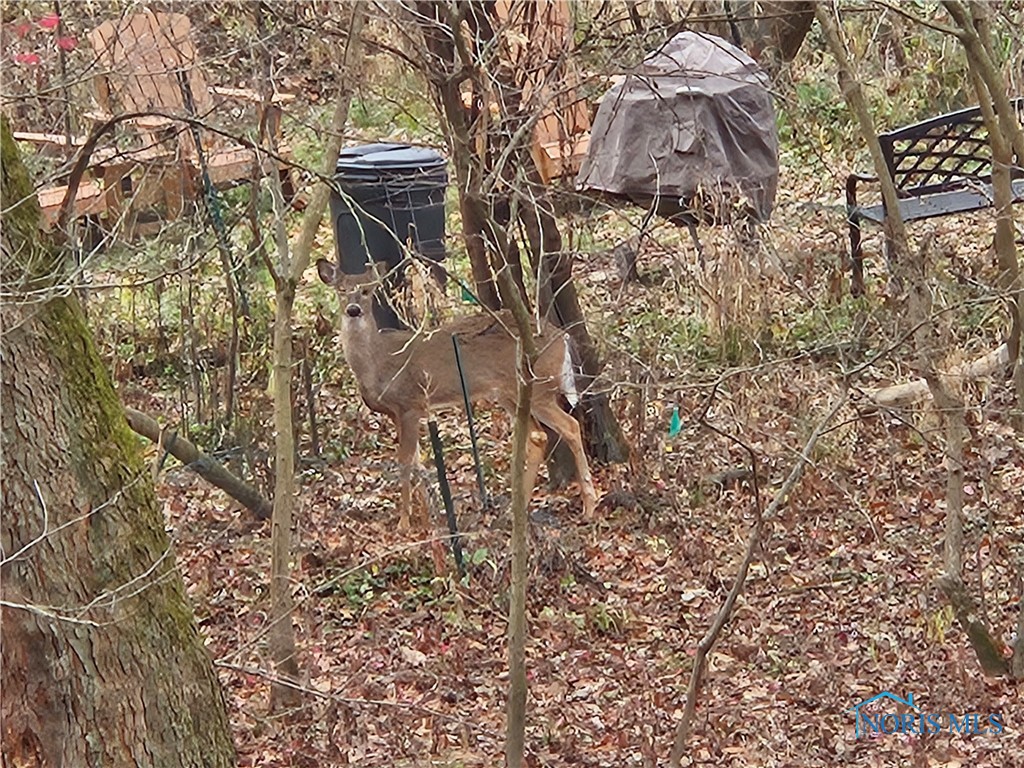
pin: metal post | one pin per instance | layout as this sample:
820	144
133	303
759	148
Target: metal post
469	418
446	496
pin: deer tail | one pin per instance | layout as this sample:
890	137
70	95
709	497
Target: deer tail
568	385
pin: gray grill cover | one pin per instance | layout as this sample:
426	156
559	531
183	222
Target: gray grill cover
695	115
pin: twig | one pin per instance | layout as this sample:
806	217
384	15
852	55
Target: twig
711	636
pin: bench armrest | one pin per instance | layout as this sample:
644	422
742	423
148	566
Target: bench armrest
56	139
245	94
145	121
851	189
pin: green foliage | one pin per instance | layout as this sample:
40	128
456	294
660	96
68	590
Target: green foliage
666	337
412	584
372	113
821	329
815	114
605	619
576	619
481	556
26	259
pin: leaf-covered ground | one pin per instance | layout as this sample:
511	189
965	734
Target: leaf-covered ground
404	665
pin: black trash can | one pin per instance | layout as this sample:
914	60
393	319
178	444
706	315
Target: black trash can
390	192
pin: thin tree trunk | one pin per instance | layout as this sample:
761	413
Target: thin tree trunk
987	69
471	162
102	661
1005	236
185	304
602	433
1010	277
515	736
1005	134
949	405
895	229
282	634
442	51
476	249
291	263
232	355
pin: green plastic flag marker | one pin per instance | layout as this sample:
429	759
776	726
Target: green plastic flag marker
675	426
467	296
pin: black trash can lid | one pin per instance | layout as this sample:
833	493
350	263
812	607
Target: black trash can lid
388	158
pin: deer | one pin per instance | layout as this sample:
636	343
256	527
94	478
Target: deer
405	375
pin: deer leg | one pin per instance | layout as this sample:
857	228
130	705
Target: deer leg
408	446
551	415
536	442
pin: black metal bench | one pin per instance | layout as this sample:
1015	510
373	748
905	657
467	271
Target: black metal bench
941	166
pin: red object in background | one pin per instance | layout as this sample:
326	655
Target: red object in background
27	58
49	21
67	42
22	29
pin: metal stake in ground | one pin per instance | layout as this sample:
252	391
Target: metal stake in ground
446	496
469	419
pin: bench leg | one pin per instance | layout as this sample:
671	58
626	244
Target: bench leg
856	259
856	253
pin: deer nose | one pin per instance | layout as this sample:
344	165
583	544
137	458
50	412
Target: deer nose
353	310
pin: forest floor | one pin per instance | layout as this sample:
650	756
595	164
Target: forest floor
404	664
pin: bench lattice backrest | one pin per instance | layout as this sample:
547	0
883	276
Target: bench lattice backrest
943	153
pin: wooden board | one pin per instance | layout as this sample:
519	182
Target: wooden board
89	201
539	33
142	55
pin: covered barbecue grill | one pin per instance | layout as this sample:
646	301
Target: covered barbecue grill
690	129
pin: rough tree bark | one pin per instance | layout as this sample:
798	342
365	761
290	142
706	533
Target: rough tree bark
102	662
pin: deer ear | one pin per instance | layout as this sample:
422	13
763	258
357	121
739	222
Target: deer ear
373	271
327	271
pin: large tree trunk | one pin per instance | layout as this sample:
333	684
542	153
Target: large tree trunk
102	662
560	304
771	31
475	142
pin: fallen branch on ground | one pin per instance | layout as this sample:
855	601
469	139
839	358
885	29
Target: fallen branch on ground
910	392
202	464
